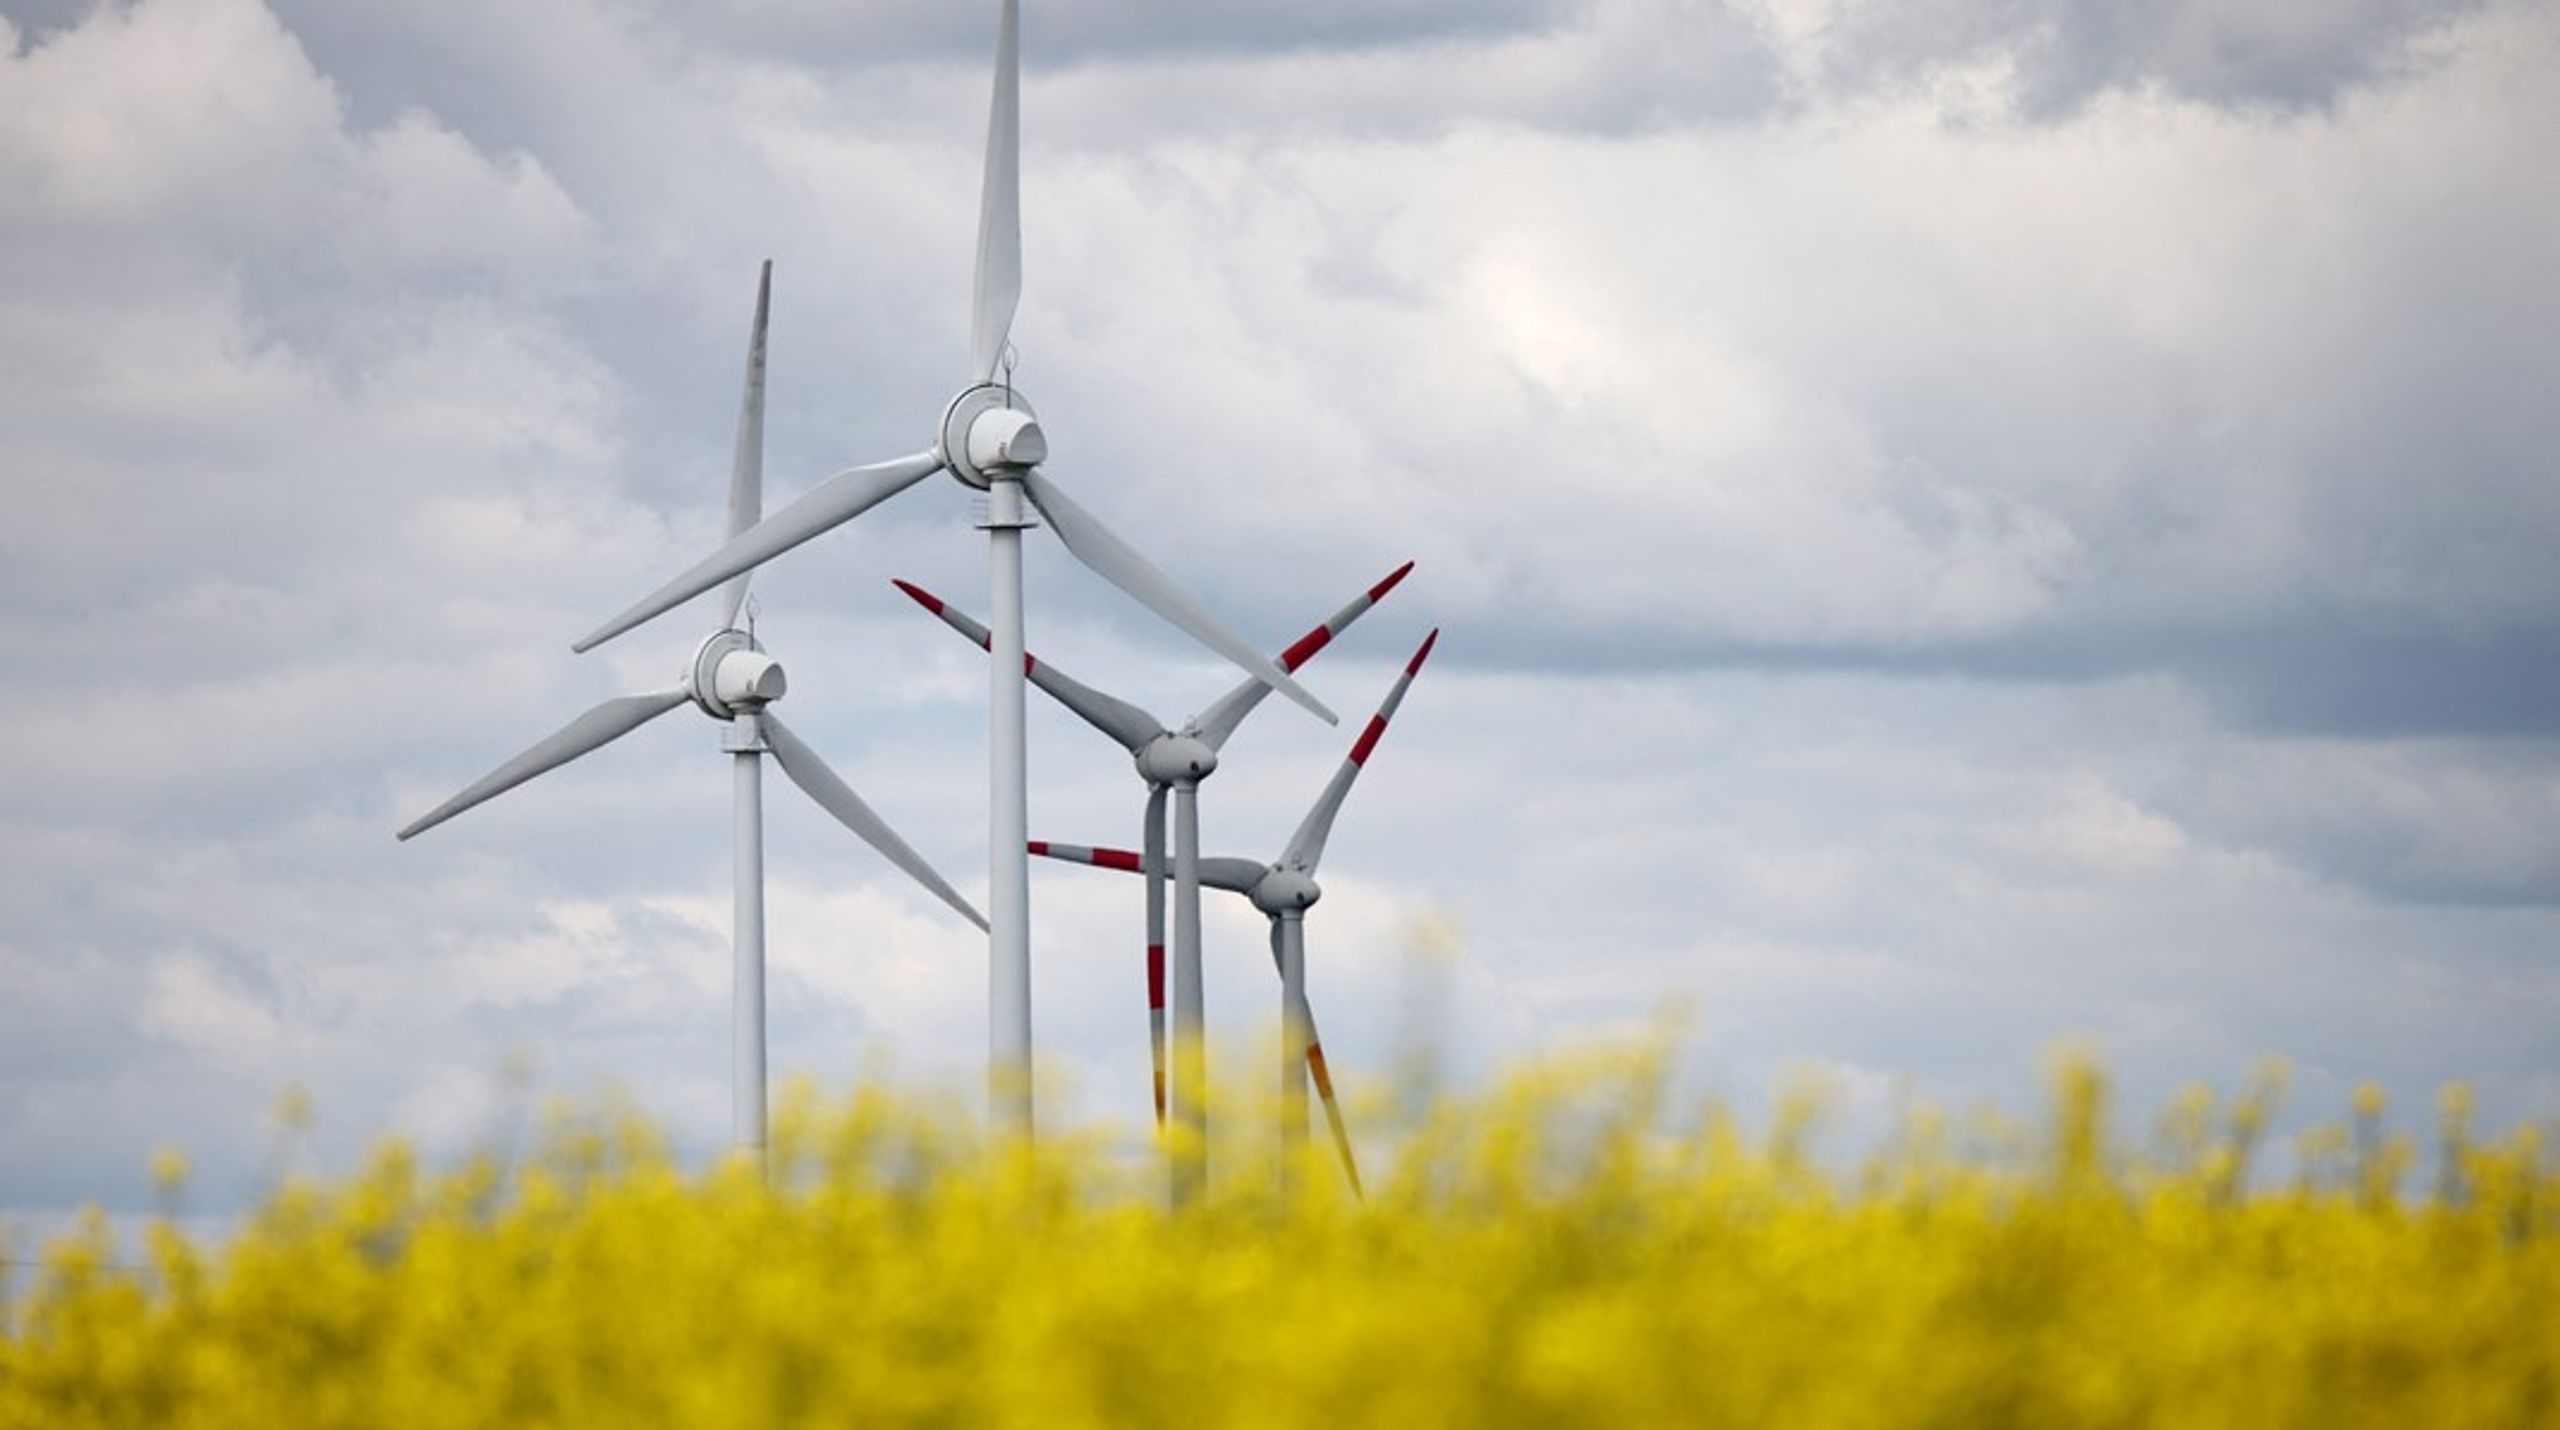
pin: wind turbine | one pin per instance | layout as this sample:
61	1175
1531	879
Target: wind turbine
1177	761
1284	890
989	440
733	681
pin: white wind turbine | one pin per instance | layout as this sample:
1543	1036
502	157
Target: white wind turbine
733	681
989	440
1177	761
1284	890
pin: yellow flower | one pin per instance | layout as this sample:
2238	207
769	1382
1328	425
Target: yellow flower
1564	1249
169	1170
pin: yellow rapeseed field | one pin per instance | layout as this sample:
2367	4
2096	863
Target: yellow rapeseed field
1555	1253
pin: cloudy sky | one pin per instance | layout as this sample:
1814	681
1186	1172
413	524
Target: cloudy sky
1956	525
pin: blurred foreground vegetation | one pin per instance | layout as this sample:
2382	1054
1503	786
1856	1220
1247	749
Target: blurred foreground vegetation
1556	1252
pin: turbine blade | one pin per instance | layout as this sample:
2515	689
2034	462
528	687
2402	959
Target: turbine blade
1123	859
831	503
1119	563
1214	724
836	797
597	728
1125	723
999	277
746	470
1234	875
1332	1109
1154	864
1323	1079
1306	847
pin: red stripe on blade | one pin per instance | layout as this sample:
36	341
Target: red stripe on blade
923	597
1368	739
1155	977
1307	645
1425	653
1117	859
1389	584
1315	1065
1039	846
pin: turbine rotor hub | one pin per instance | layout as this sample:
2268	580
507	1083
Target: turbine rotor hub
731	675
988	431
1173	759
1283	891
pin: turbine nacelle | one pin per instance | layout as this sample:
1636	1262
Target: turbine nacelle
1176	759
1006	437
731	675
1285	891
987	431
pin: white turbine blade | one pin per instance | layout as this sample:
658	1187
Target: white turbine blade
1323	1078
1125	723
829	504
836	797
999	277
597	728
1306	847
1234	875
746	471
1214	724
1119	563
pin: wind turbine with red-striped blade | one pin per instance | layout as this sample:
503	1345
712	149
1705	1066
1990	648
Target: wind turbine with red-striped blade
1176	761
989	440
733	681
1284	890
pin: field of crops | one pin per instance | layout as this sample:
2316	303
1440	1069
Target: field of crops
1562	1251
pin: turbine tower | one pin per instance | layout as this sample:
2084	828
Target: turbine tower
1284	890
989	440
733	681
1176	761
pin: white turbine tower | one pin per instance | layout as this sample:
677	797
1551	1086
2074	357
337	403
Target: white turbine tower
733	681
1177	761
1284	890
989	440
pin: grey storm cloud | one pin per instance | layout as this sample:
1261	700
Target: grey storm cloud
2277	54
1954	524
2050	61
1572	65
1700	58
1074	31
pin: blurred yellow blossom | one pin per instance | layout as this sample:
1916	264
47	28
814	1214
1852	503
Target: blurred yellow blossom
1550	1253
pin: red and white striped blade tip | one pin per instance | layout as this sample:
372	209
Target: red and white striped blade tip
919	595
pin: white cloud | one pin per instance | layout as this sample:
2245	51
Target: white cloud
186	1000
